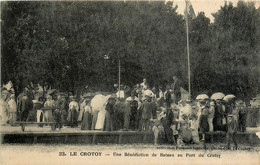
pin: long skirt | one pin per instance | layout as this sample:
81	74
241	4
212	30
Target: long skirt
204	125
73	118
100	120
47	114
81	113
108	122
64	115
86	121
94	120
3	115
12	118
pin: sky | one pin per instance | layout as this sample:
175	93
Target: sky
208	6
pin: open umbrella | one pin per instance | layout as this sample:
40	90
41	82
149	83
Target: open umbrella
229	97
202	97
217	96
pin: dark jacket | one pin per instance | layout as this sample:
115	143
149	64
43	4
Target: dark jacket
37	106
25	105
134	106
110	108
148	110
168	120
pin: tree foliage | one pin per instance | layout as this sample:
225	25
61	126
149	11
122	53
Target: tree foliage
68	45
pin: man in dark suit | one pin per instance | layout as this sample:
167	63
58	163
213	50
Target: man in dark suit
25	106
134	118
167	122
176	89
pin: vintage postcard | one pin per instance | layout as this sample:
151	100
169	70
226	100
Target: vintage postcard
130	82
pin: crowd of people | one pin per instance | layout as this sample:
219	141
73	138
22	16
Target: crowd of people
141	108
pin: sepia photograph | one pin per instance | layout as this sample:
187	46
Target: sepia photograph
130	82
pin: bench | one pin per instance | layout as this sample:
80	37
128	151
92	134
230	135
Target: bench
22	124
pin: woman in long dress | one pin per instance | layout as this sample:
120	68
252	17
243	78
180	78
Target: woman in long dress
12	109
102	113
101	119
87	117
3	116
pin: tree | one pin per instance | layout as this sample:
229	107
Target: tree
234	53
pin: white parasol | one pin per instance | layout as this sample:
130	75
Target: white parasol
229	97
202	97
217	96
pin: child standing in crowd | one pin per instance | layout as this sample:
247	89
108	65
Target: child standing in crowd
211	115
232	124
242	110
175	123
185	132
203	118
194	128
